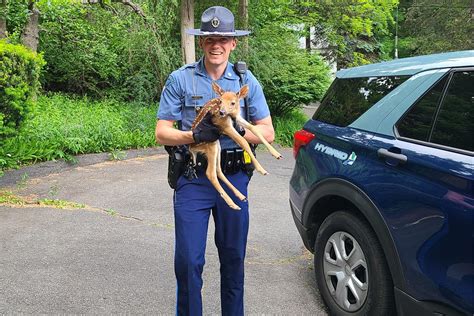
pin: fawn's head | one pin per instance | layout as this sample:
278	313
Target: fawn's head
230	101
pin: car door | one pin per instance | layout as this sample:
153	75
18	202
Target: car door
424	188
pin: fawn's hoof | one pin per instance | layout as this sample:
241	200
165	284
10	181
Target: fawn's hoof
235	207
242	197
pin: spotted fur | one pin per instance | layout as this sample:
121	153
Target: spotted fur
213	106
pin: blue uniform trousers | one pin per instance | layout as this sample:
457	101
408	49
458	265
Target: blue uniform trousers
193	203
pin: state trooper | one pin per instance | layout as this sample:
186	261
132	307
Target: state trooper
195	199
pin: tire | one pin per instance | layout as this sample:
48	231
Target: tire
351	270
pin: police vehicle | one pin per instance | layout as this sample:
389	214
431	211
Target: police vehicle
383	188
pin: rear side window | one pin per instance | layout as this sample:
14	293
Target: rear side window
418	121
347	99
447	120
454	124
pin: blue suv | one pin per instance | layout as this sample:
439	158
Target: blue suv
382	190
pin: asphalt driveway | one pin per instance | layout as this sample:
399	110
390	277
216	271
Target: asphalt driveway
102	239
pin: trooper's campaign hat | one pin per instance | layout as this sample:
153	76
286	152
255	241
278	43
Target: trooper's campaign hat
217	21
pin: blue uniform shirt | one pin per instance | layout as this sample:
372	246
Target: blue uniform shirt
190	87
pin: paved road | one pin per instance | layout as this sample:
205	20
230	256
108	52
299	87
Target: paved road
114	253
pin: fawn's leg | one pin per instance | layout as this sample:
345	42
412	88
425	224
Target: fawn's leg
222	177
257	133
232	133
212	153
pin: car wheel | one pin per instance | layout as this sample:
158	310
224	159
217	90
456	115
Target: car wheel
351	270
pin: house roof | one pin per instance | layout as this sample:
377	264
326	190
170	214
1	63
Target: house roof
410	66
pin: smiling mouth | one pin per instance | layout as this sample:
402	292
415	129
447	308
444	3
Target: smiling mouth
216	53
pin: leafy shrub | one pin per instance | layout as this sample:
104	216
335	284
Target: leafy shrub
108	53
285	127
78	50
19	81
290	76
16	18
65	126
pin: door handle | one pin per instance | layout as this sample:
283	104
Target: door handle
384	153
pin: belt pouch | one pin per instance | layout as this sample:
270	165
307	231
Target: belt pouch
176	164
238	160
228	161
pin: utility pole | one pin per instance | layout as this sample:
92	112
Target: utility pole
396	34
187	22
244	24
3	18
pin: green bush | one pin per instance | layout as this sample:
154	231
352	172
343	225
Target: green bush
109	53
285	127
65	126
19	81
290	76
78	49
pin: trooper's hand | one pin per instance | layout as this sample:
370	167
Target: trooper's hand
206	132
239	128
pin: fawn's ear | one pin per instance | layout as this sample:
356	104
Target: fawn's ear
217	89
243	91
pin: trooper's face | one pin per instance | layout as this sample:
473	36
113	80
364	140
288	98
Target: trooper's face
217	48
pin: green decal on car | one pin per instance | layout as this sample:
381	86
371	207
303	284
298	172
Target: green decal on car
351	159
348	160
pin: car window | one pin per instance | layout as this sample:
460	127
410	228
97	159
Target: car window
454	125
417	122
349	98
454	118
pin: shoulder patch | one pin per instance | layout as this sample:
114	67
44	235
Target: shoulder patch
170	81
192	65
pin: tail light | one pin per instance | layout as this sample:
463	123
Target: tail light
301	138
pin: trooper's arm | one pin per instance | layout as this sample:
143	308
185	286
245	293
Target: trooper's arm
166	134
265	126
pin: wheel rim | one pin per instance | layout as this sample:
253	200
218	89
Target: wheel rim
345	271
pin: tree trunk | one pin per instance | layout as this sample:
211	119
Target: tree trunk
187	22
308	38
244	24
30	36
3	18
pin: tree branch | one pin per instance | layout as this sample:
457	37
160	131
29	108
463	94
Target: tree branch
135	7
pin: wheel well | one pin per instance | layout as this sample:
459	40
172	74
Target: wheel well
336	194
325	206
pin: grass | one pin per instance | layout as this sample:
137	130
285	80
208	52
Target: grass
61	204
285	127
7	197
63	126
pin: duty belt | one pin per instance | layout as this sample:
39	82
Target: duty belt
232	161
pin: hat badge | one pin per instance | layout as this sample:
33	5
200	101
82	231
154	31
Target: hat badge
215	22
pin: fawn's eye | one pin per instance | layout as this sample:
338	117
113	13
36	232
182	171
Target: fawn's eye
232	103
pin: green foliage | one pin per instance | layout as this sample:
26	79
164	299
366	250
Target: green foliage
285	127
19	81
351	30
78	50
109	51
289	75
17	17
431	27
65	126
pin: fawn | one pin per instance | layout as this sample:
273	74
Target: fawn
223	109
